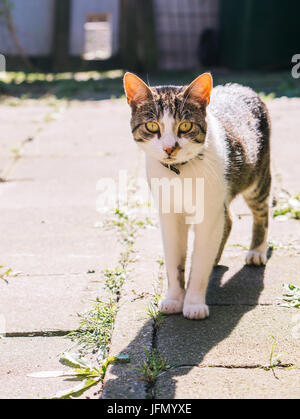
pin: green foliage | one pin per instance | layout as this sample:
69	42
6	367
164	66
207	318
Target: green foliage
108	84
154	313
7	273
288	207
291	297
274	360
114	278
96	326
153	366
87	374
99	85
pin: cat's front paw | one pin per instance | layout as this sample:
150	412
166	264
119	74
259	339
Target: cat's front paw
256	257
195	311
170	306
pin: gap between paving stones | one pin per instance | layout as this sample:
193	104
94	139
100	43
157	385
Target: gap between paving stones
47	333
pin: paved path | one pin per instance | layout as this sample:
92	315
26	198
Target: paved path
48	234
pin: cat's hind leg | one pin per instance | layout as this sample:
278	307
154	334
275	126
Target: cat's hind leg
257	200
227	230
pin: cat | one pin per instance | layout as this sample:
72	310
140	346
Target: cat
221	135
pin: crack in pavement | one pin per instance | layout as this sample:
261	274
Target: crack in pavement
46	333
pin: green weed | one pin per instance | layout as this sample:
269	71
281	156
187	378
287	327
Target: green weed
291	297
114	278
7	273
96	326
275	360
82	371
288	207
154	313
153	366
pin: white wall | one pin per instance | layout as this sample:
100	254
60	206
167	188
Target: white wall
34	20
80	10
34	25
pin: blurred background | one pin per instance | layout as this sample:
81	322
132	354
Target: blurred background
167	40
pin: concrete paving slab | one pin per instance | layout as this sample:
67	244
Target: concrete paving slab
86	129
44	302
60	181
224	383
238	335
54	241
22	356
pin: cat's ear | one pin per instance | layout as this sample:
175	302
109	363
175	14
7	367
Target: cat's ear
200	88
136	90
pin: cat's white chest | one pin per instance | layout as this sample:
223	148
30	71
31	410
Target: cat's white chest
197	192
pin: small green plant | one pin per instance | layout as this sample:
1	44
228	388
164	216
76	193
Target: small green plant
289	246
153	366
7	273
153	310
127	224
160	261
275	360
242	246
288	207
96	326
82	371
291	297
154	313
114	278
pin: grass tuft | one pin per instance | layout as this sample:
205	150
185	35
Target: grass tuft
96	326
153	366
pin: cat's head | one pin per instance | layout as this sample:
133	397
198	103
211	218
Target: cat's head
168	122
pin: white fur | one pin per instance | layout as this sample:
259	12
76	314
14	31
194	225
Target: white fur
208	234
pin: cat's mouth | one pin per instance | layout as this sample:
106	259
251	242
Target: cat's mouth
176	160
170	161
173	161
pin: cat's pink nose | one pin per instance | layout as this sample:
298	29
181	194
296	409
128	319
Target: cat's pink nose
169	150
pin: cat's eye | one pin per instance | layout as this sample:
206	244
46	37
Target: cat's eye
185	126
152	127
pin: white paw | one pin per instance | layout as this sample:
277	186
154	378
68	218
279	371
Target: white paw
256	257
170	306
195	311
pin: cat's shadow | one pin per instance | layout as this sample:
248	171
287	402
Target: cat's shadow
187	341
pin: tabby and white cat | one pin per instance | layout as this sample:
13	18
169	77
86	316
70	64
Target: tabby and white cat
222	136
